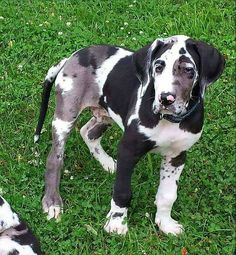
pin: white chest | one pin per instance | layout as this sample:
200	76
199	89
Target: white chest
169	138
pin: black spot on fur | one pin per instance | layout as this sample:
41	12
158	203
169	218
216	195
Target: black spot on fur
111	51
179	160
74	75
184	59
97	131
1	201
115	215
84	57
1	223
14	252
64	74
182	51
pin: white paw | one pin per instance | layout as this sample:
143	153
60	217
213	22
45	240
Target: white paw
169	226
109	164
53	211
116	225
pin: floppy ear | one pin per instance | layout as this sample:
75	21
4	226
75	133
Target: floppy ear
143	58
210	63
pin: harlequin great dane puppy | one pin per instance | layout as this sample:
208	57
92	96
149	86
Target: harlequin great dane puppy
154	94
15	236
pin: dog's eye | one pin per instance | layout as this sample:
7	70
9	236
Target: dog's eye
189	70
159	68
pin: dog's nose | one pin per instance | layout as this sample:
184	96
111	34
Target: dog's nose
167	99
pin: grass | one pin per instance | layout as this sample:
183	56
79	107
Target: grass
36	34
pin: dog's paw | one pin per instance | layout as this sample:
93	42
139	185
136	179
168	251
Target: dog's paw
109	164
52	205
169	226
116	223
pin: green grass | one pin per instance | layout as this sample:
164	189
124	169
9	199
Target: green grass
30	44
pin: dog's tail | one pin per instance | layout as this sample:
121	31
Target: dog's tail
47	87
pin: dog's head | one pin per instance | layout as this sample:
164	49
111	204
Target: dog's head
8	218
178	68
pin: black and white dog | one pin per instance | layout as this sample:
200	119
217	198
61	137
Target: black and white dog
15	236
154	94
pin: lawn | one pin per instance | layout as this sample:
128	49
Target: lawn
35	35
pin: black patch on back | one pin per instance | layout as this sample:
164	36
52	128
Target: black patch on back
97	131
84	57
111	51
182	51
93	62
179	160
14	252
1	201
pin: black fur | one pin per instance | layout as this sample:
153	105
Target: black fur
132	147
97	131
179	160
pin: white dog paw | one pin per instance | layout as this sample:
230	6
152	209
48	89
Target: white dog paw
169	226
53	210
116	224
109	165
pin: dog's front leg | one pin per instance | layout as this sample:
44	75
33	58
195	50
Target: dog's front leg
171	169
131	149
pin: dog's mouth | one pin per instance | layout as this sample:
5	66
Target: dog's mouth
171	110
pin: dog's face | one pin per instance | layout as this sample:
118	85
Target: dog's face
174	67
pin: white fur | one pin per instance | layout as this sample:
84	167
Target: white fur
107	162
108	65
169	138
54	70
7	245
7	216
117	224
116	118
62	127
65	83
166	196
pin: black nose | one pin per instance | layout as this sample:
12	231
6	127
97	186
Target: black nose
167	99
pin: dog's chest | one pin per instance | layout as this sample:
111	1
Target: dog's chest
169	138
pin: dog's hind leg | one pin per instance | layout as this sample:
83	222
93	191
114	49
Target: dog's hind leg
92	133
67	110
52	202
